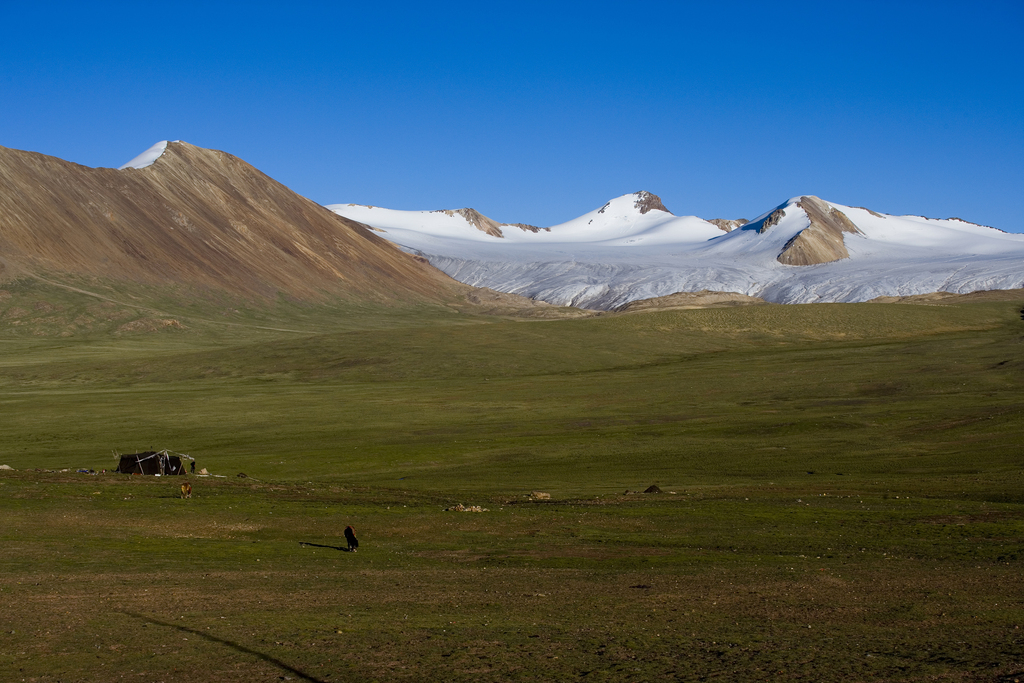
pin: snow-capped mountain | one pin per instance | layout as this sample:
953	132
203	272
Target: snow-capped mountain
147	158
805	250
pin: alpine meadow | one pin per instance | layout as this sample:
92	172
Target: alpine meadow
840	495
719	490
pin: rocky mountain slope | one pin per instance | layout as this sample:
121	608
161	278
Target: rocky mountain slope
633	248
194	218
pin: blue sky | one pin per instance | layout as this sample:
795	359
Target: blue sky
538	112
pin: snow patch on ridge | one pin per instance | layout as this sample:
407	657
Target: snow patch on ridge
147	158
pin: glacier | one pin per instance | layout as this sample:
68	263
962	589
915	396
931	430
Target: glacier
632	248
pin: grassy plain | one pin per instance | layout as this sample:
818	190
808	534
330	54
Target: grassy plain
843	494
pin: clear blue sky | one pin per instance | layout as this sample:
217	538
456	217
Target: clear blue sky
537	112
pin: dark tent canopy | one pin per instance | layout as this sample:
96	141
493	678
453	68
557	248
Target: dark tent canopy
151	462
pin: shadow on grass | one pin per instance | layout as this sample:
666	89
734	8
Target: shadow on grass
234	646
332	547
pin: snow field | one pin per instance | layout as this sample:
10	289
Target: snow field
614	255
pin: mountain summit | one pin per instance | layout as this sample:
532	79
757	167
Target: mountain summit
186	216
645	201
637	216
822	241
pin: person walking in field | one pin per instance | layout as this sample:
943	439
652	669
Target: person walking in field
350	537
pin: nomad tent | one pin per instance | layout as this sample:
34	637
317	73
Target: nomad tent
152	462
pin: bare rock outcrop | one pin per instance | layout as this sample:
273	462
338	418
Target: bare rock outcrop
488	225
525	227
771	220
477	220
726	225
646	202
821	241
873	213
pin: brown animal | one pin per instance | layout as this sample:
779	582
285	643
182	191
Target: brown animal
186	490
350	536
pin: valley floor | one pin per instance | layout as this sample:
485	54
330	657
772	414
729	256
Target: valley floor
841	499
111	576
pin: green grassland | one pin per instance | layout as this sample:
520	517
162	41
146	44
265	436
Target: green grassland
842	492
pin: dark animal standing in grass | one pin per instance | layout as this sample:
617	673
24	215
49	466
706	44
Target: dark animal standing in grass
350	536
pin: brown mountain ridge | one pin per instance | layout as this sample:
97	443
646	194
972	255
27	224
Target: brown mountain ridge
196	218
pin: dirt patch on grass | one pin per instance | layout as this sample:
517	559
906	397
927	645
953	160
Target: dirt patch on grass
691	300
149	325
948	298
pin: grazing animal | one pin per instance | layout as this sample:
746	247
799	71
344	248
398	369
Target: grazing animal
350	536
186	490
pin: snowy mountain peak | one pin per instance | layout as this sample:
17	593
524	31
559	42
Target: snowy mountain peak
642	202
147	158
476	219
814	231
464	224
645	201
822	241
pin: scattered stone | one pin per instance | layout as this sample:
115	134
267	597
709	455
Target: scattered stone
540	495
465	508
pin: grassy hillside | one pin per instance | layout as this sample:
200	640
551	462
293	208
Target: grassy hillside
842	496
